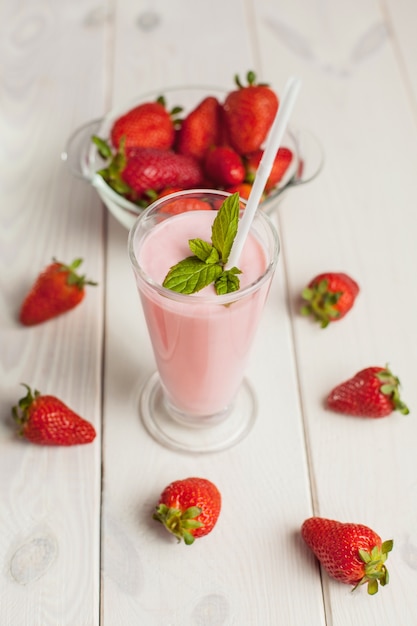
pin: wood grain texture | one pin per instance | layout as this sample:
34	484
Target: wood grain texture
50	513
230	577
78	546
357	217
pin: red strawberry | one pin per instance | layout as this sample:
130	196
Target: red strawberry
224	166
147	125
351	553
329	297
167	191
200	130
181	205
57	290
372	392
48	421
243	189
189	508
280	165
249	112
151	168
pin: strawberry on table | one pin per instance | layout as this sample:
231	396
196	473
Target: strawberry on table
46	420
329	297
57	289
372	392
189	508
350	553
248	113
147	125
224	166
201	129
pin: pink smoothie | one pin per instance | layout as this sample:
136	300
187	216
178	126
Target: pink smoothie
201	345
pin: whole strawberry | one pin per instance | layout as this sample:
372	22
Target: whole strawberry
372	392
147	125
182	205
350	553
45	420
150	168
280	165
57	289
329	297
224	166
244	190
189	508
200	130
249	112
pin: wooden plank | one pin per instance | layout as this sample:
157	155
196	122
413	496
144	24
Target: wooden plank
49	517
237	574
358	217
357	64
400	17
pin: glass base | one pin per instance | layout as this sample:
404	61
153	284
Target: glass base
172	434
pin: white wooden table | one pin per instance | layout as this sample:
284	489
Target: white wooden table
78	546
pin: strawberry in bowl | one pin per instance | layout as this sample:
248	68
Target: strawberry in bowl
190	137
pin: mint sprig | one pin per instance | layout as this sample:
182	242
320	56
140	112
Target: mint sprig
207	265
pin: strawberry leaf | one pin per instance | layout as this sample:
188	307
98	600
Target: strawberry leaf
375	553
188	538
387	546
103	147
112	172
321	302
191	524
375	571
391	387
387	389
191	512
74	279
372	587
365	556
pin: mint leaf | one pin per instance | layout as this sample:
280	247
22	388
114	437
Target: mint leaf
227	281
204	251
191	275
207	265
225	225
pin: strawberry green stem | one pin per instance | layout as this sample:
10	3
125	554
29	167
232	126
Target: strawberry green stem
391	387
20	412
375	570
179	523
78	280
321	303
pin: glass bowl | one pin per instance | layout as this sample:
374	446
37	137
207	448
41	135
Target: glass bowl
83	159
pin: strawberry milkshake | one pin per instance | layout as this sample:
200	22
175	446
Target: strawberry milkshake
201	340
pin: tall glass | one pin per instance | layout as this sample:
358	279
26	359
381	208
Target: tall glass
198	400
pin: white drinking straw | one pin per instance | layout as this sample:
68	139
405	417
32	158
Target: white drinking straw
264	169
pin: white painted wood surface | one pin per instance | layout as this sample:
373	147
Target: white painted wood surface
78	546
